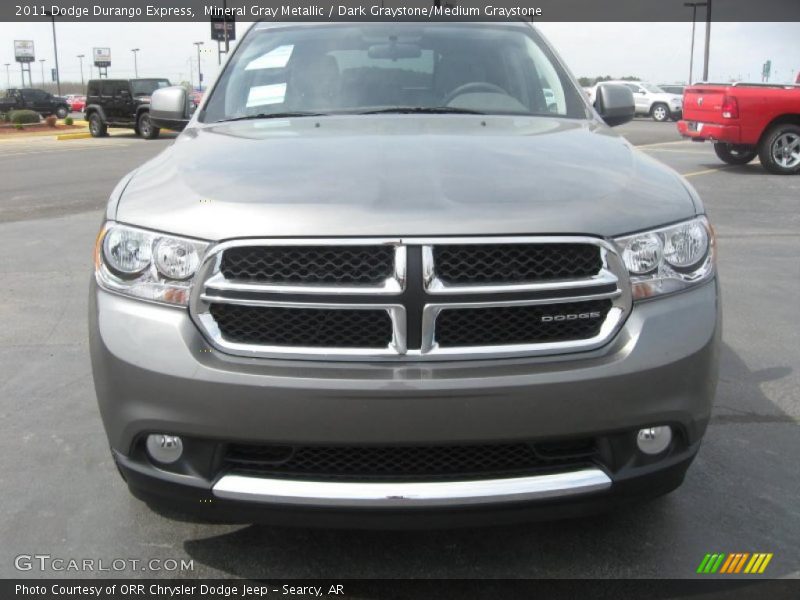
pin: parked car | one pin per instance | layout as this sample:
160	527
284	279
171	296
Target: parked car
745	120
121	103
671	88
652	101
76	102
377	279
39	101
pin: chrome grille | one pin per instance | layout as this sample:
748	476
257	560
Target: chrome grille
535	324
311	265
514	263
411	299
313	327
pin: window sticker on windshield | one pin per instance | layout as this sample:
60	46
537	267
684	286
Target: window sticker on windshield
274	59
266	94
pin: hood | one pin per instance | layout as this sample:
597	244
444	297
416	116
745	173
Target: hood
402	175
667	97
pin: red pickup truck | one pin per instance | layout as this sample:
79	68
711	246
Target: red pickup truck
744	120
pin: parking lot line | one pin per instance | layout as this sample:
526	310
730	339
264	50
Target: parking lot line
71	149
676	151
663	144
707	171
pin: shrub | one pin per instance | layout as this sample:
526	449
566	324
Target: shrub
3	117
68	121
18	126
51	120
20	117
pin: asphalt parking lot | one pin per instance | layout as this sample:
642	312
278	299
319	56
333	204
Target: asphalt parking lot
63	497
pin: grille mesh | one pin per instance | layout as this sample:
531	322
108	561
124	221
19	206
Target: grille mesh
502	325
405	462
310	327
354	265
514	263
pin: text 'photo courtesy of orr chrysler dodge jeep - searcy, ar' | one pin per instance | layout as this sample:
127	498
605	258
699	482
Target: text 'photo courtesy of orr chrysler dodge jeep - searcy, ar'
393	274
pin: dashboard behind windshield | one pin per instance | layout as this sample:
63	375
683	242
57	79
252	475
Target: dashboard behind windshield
341	69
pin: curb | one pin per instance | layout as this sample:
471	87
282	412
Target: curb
80	135
74	136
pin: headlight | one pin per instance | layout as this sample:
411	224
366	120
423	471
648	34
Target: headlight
669	259
146	264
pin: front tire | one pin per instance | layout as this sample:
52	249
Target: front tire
62	112
779	150
734	154
660	112
96	126
146	128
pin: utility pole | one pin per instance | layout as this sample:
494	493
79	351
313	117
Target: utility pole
55	49
708	39
41	62
135	63
199	71
693	6
8	75
80	58
190	62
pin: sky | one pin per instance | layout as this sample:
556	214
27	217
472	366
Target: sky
655	52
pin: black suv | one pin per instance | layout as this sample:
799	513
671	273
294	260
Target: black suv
42	102
121	103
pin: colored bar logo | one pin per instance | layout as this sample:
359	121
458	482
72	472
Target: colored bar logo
738	562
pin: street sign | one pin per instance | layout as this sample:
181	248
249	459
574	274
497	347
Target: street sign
102	57
23	51
219	25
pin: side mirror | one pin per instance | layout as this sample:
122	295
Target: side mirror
169	108
614	104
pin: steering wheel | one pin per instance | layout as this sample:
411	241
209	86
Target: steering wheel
471	88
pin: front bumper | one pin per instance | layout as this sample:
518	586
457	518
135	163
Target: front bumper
154	372
699	131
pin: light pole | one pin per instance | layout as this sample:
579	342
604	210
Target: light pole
41	61
8	75
80	58
693	6
55	49
708	40
135	63
199	71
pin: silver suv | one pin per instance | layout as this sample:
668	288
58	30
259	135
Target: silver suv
391	273
652	101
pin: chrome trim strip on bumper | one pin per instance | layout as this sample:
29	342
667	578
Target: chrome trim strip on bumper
413	494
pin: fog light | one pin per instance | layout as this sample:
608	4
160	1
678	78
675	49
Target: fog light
164	448
654	440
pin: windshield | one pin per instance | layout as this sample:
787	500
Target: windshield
335	69
654	89
145	87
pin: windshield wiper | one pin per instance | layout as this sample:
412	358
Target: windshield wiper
280	115
439	110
